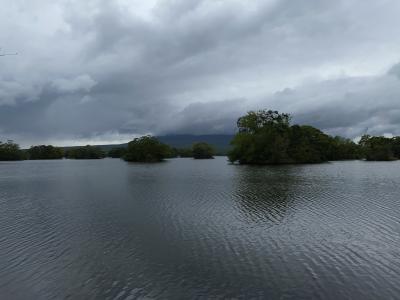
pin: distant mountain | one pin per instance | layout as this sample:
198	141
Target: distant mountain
220	142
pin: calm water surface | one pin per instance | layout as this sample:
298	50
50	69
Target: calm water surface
199	229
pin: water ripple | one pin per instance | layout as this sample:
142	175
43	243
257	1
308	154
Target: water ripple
199	229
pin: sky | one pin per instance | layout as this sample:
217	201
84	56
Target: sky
100	71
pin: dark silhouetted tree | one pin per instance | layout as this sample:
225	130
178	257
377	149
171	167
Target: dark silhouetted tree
85	152
45	152
146	149
117	152
10	151
377	148
202	151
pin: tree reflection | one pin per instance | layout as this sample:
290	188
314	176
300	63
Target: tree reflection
264	194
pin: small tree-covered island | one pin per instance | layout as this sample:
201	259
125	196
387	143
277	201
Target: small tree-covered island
146	149
267	137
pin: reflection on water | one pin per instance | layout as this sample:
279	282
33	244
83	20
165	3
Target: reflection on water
263	194
198	229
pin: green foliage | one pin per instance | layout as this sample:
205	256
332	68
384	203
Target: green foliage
185	152
345	149
146	149
202	151
266	137
379	148
256	120
396	146
309	145
263	138
117	152
10	151
86	152
45	152
172	152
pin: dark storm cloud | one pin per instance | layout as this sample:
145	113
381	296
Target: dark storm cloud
395	70
102	70
349	107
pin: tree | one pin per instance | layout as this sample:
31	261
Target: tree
378	148
309	145
45	152
117	152
146	149
202	151
172	152
255	121
343	148
10	151
86	152
396	146
266	137
263	138
185	152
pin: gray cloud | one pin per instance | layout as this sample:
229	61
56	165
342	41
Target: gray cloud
81	83
104	71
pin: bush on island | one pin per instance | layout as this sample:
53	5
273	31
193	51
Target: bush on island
9	151
379	148
45	152
146	149
202	151
117	152
85	152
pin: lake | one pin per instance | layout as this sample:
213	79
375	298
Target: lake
184	229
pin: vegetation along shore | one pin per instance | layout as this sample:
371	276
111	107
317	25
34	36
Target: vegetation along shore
263	137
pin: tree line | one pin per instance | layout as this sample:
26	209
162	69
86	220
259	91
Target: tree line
263	137
143	149
10	151
379	148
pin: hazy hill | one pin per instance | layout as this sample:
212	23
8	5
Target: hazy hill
219	142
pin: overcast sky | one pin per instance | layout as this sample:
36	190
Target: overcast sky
100	71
